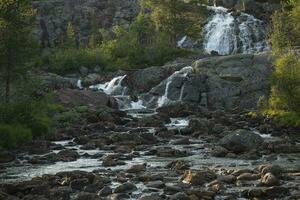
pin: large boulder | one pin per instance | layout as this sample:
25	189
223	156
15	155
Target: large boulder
235	81
144	80
72	98
241	141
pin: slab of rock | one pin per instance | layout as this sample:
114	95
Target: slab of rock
72	98
241	141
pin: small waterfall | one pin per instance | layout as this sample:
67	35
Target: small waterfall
164	100
79	84
230	33
113	87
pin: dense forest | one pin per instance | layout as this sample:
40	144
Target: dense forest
170	62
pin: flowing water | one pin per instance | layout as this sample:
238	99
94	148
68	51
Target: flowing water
228	33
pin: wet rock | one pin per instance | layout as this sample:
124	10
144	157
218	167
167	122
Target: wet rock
200	125
198	177
238	172
125	188
182	141
79	184
91	188
269	180
39	147
274	169
105	191
119	196
169	152
137	168
179	165
62	192
6	156
276	191
151	197
241	140
230	179
68	155
86	195
248	177
81	140
111	160
156	184
179	196
219	151
201	193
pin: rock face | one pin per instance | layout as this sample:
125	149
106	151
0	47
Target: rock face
240	141
53	17
71	98
259	8
235	80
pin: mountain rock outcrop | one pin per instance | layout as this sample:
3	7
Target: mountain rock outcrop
53	17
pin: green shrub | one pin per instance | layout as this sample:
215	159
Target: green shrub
67	60
12	135
29	114
286	84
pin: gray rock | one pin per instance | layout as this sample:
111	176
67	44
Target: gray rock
68	155
105	191
6	157
235	80
241	141
125	188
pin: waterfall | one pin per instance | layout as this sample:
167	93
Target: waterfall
164	100
112	87
229	33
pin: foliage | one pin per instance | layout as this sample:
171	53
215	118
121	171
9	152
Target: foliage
13	135
67	60
284	103
283	117
286	28
176	18
16	43
286	83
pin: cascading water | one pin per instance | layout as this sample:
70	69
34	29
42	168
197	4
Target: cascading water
164	100
115	88
228	33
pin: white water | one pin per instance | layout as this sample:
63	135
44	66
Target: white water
227	33
164	100
79	84
113	86
178	123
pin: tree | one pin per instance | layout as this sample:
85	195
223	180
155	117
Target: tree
95	34
176	17
70	37
16	23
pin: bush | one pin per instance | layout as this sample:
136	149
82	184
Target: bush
286	84
284	117
29	114
12	135
63	60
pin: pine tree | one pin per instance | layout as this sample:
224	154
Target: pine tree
16	47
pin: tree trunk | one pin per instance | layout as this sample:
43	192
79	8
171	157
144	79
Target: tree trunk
7	87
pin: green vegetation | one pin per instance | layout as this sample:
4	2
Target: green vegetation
23	112
284	103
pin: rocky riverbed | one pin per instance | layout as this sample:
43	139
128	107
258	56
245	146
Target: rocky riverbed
180	151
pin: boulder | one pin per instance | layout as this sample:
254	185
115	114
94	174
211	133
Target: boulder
198	177
72	98
68	155
6	156
235	80
241	141
269	180
125	188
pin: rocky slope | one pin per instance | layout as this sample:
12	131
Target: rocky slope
53	17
